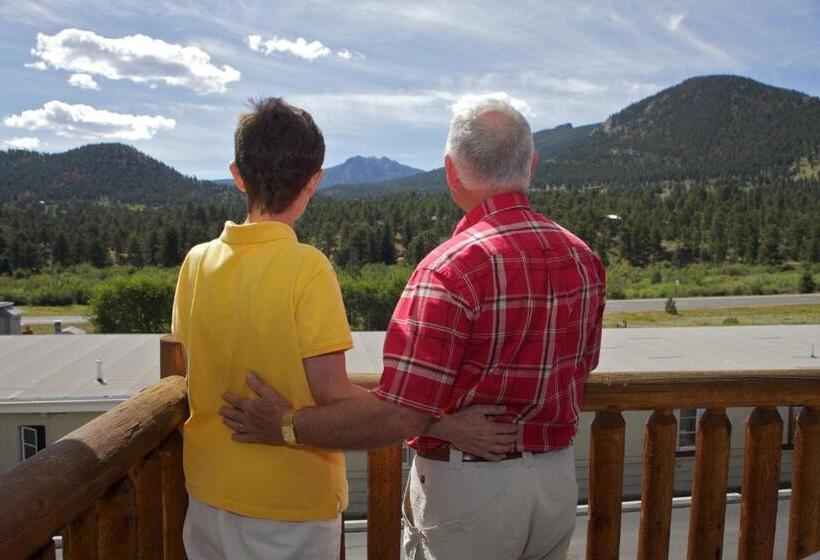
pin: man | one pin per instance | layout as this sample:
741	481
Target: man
506	312
256	298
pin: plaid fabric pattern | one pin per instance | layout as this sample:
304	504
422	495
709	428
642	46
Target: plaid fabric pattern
507	311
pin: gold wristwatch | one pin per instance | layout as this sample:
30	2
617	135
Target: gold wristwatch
288	430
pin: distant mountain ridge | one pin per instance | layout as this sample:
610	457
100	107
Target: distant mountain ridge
359	169
704	128
112	171
548	143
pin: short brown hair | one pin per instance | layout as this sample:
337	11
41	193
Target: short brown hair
277	148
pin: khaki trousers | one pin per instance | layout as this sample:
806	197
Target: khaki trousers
515	509
215	534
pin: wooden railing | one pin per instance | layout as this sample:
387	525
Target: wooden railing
114	488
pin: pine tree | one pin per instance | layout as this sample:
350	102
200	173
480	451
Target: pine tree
171	255
134	251
98	253
60	253
387	251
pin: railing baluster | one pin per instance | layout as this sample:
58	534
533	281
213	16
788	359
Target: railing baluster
606	477
761	476
172	360
708	514
147	479
116	522
342	543
804	516
384	503
174	497
658	485
80	537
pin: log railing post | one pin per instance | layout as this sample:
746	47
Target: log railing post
116	522
174	497
384	503
707	516
658	485
606	478
761	477
147	479
804	516
80	537
172	360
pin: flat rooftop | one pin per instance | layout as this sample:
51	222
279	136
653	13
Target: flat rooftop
59	372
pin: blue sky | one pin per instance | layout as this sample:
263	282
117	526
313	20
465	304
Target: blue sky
379	77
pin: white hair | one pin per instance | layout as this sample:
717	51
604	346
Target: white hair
491	144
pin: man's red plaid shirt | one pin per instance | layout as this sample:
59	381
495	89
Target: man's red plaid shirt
507	311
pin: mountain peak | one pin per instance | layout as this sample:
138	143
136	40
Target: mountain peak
366	169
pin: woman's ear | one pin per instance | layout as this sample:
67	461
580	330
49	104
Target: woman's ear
315	181
238	182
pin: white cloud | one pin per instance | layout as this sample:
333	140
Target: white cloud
87	122
465	101
673	21
39	65
25	143
83	81
299	48
138	58
345	54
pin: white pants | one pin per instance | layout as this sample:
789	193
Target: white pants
215	534
515	509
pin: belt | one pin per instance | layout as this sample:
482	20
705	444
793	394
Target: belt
443	454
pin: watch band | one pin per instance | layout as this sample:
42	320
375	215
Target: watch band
288	429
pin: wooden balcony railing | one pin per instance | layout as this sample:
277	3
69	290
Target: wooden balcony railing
114	488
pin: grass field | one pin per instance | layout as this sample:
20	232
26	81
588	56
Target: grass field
768	315
55	310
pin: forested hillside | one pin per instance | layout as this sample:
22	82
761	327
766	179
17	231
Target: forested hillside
706	127
115	172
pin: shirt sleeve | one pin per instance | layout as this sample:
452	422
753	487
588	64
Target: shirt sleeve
593	353
425	344
179	310
320	317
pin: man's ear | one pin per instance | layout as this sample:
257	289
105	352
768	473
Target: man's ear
238	182
534	164
451	173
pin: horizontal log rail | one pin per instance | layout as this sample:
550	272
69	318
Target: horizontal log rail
81	483
115	487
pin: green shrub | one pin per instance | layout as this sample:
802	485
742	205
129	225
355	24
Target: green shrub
370	294
140	303
806	284
731	321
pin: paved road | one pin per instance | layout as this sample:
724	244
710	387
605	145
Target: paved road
615	305
49	319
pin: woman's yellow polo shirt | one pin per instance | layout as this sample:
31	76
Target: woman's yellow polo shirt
257	299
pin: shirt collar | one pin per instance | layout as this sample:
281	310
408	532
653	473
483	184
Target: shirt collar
493	205
256	232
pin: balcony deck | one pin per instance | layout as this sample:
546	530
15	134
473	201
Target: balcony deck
99	485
